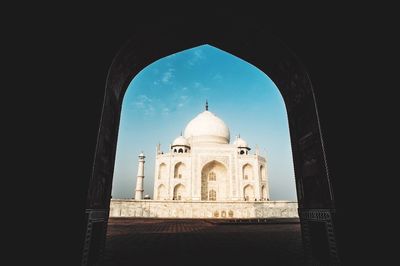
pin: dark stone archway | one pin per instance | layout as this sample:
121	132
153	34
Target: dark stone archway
260	48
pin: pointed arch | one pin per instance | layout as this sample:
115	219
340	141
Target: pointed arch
263	192
179	170
211	172
262	172
179	191
281	64
162	171
161	192
248	193
247	172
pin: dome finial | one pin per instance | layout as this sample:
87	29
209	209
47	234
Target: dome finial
206	105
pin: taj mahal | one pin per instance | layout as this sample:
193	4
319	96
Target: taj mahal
204	175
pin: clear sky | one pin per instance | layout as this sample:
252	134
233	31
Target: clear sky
167	94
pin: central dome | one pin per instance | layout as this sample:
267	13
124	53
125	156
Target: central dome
206	127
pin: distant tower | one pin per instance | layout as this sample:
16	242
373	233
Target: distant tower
158	149
140	176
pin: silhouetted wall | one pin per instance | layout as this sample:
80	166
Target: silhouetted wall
87	41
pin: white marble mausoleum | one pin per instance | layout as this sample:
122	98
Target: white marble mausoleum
204	175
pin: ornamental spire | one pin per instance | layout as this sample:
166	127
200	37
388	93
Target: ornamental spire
206	105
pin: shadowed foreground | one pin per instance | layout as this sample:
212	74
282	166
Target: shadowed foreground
133	241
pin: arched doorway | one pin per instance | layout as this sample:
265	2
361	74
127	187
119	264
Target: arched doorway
260	48
179	170
213	181
264	195
248	172
179	192
262	172
248	193
162	171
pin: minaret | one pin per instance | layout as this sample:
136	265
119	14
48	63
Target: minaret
158	149
140	176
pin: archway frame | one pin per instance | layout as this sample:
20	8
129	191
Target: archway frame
175	189
162	188
251	169
179	168
162	171
256	46
248	187
206	167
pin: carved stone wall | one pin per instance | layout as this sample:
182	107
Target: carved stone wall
191	209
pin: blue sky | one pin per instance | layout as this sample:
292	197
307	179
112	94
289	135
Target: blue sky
168	93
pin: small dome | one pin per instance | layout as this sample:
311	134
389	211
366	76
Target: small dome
207	127
180	141
240	143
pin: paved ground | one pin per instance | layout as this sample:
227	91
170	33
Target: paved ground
133	241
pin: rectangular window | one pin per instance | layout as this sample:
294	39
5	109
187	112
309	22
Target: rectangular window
212	195
212	176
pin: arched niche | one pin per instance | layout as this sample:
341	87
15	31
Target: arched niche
162	171
179	192
213	174
179	170
161	192
248	193
247	172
